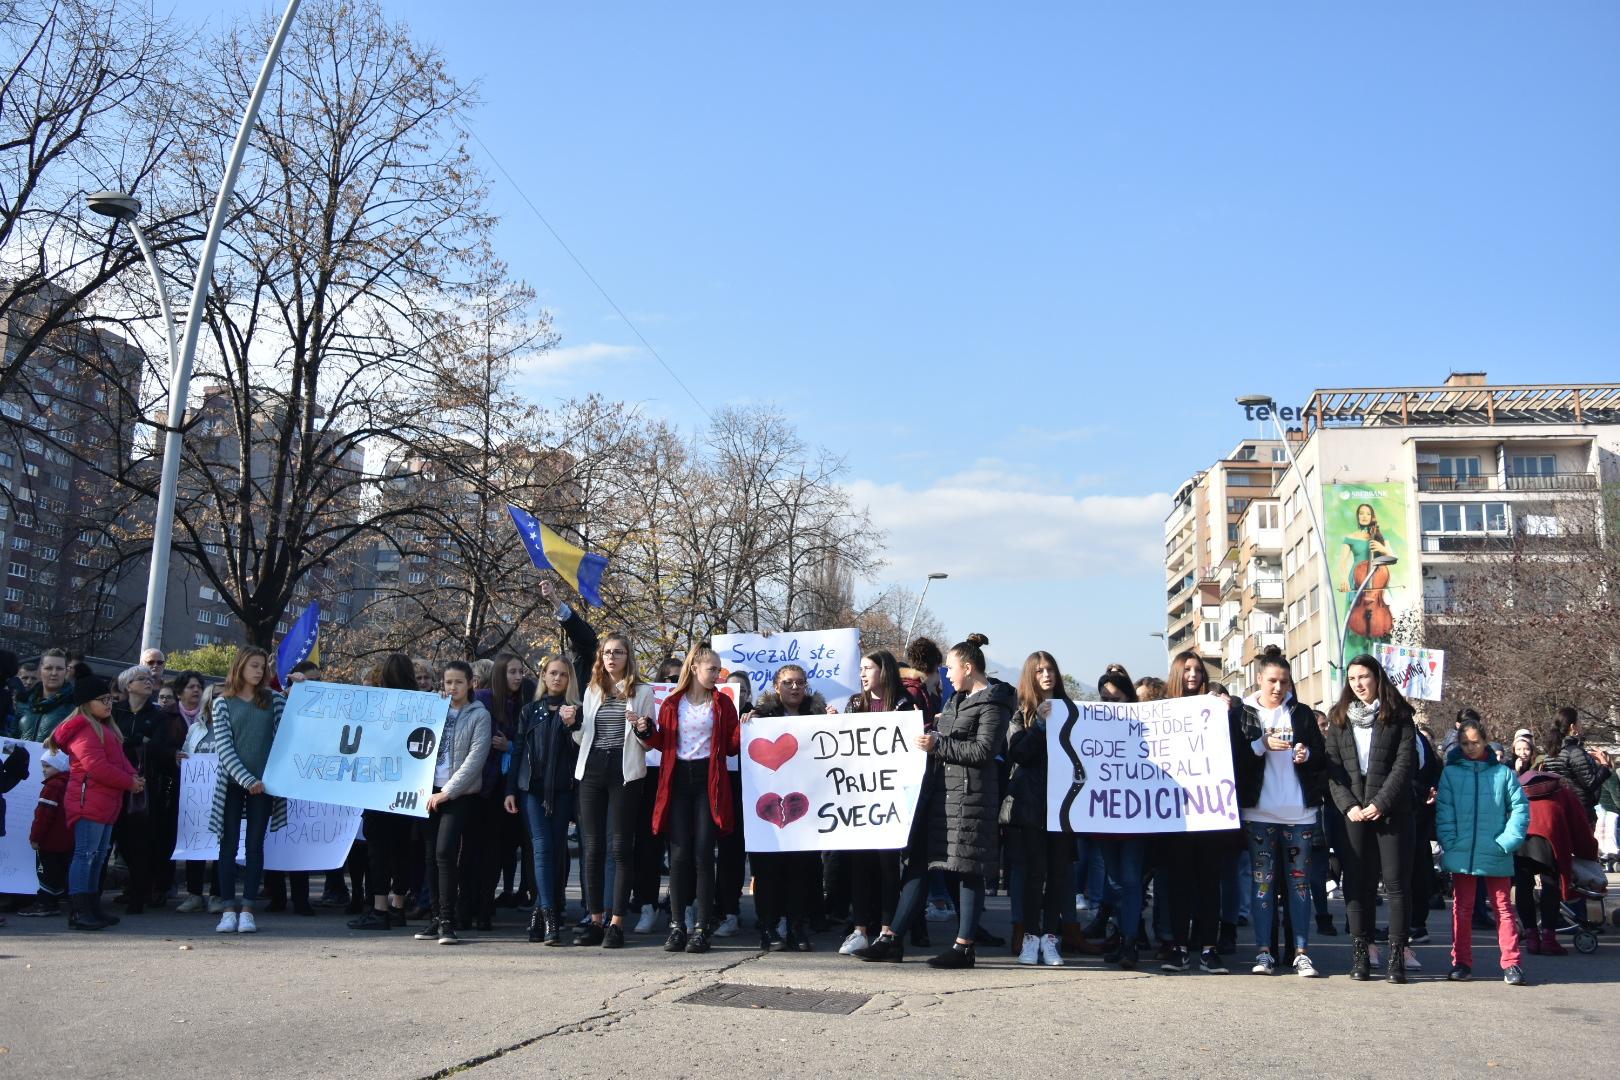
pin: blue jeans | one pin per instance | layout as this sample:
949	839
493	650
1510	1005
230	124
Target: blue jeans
256	808
91	842
548	833
1289	846
1125	856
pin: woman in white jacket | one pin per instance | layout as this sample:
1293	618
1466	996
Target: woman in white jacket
612	766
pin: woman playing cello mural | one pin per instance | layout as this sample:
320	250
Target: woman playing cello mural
1366	575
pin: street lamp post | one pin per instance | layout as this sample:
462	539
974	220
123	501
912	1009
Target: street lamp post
917	611
1316	522
123	207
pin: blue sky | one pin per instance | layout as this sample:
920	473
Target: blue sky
1014	261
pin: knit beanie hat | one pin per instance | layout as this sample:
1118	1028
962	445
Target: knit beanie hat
88	688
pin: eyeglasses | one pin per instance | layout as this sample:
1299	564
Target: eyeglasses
107	700
614	652
793	684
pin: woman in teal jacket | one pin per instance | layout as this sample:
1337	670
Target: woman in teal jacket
1482	816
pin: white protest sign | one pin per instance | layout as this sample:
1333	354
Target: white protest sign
831	658
1155	767
1416	673
831	783
317	837
16	854
661	691
363	746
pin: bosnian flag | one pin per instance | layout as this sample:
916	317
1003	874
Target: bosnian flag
549	551
301	643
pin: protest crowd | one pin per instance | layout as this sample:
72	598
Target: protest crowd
1360	801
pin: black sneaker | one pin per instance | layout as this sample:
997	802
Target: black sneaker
1226	940
1460	973
1177	962
887	949
447	935
1128	956
40	909
590	935
676	942
699	942
613	936
1420	936
430	932
372	920
1209	962
1514	976
770	941
956	957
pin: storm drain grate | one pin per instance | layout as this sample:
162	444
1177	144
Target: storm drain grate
781	998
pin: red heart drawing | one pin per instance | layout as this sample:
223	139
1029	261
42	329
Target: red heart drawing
782	810
773	755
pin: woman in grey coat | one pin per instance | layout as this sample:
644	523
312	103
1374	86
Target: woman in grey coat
960	804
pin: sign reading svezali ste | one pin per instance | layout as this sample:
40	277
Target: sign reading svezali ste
363	746
846	782
1155	767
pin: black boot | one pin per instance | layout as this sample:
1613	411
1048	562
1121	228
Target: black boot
537	926
95	909
1397	960
801	936
957	956
85	914
1360	967
551	927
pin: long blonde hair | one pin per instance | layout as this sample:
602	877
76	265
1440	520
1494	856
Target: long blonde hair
571	693
599	672
694	654
236	678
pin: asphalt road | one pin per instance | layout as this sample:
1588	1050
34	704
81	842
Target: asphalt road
162	995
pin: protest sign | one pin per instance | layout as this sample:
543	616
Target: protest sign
831	783
661	690
317	837
363	746
1416	673
1155	767
831	658
16	854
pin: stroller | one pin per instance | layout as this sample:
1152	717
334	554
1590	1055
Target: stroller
1562	846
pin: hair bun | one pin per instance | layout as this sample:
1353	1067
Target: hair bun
1118	669
978	639
1272	651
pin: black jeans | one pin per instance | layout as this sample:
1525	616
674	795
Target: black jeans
874	888
1196	862
729	868
442	848
196	871
647	853
787	885
136	843
1047	878
388	853
1375	849
1524	897
480	856
689	825
605	795
1421	883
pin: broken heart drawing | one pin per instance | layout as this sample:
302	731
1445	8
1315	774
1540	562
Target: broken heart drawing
773	755
782	810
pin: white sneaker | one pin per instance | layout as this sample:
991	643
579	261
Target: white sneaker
1082	906
216	905
1303	966
648	920
941	912
227	923
1264	964
856	940
245	923
727	927
1412	960
1031	952
191	905
1050	956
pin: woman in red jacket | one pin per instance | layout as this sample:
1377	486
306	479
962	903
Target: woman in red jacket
695	731
98	777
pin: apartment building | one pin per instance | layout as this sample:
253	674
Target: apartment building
1412	487
1251	591
1202	540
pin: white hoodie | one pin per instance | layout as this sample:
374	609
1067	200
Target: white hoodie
1282	800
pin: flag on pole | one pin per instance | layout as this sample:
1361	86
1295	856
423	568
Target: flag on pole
301	643
549	551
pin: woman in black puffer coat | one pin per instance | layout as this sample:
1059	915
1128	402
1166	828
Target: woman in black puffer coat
959	807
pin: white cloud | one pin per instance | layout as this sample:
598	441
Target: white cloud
553	365
993	523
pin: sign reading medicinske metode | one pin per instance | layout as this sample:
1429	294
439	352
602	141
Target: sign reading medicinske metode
361	746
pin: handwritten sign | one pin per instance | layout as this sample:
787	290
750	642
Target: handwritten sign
831	783
1156	767
831	658
662	690
1417	673
361	746
317	837
16	854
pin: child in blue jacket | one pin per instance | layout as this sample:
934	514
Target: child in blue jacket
1482	817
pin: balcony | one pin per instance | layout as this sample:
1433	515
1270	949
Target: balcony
1564	481
1266	589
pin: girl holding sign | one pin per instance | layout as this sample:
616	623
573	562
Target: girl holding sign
1046	855
246	715
458	777
612	765
1371	754
388	835
1278	796
787	883
696	729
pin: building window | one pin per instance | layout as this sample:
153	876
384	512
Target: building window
1535	465
201	639
17	570
14	596
1237	506
1266	516
1278	454
205	616
1232	532
1316	656
1459	468
1316	599
1480	519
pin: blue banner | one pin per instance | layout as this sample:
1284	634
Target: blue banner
301	643
362	746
